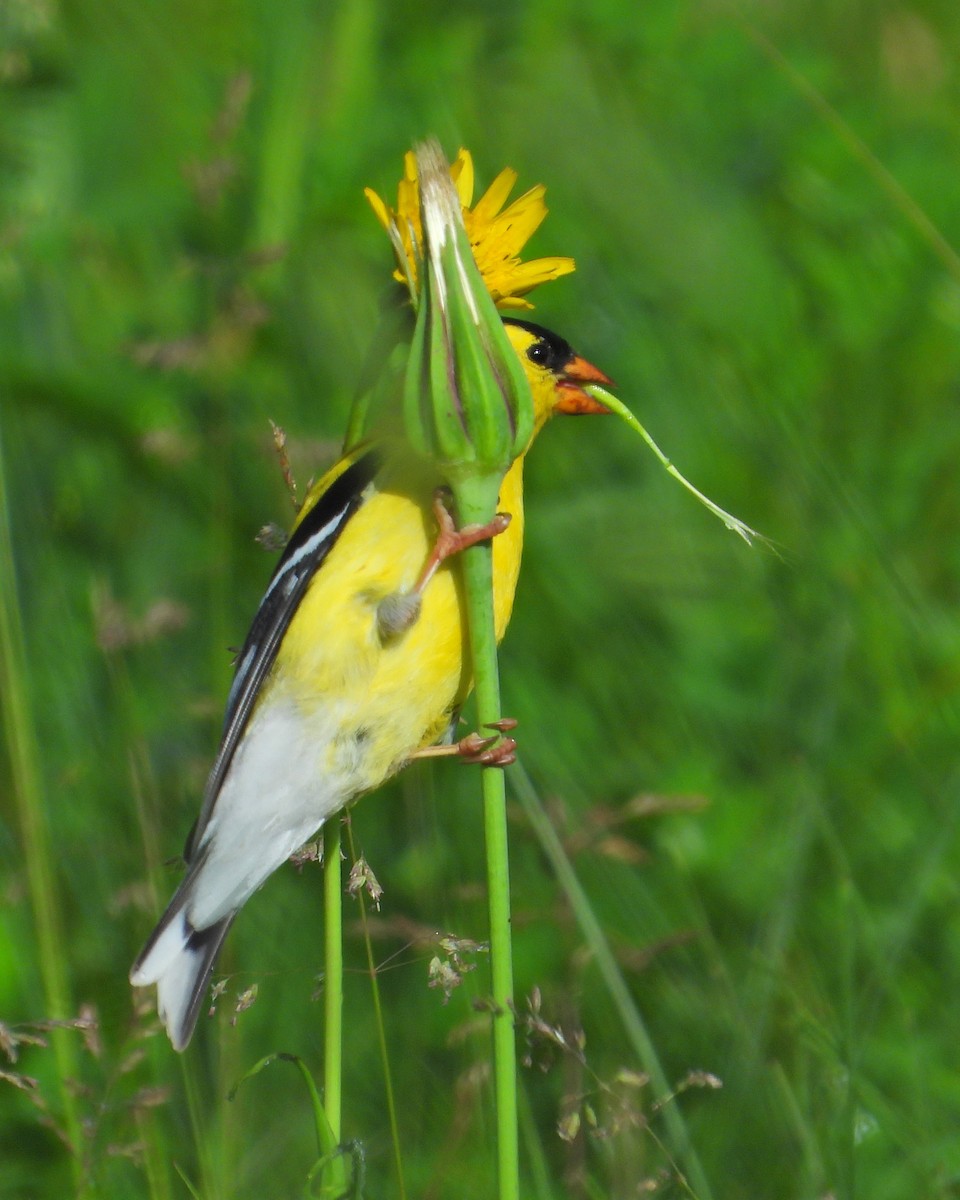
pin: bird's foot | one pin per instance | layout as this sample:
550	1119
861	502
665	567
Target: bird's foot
495	751
451	540
398	611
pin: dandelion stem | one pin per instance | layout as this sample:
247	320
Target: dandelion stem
477	568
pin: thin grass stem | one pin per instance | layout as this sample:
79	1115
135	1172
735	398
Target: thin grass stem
201	1126
333	977
913	212
23	754
540	1188
633	1023
381	1032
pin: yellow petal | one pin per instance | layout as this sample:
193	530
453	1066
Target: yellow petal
497	235
461	172
531	274
379	208
494	198
513	302
524	217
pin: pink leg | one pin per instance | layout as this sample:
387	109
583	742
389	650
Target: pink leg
451	540
398	611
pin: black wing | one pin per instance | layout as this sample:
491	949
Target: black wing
303	555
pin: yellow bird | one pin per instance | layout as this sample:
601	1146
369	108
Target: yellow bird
355	664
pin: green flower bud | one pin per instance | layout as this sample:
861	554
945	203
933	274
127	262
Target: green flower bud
466	401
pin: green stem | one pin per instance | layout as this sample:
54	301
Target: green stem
637	1034
540	1186
332	977
477	565
155	1162
22	750
381	1032
206	1129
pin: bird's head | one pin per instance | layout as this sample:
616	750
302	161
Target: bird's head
555	372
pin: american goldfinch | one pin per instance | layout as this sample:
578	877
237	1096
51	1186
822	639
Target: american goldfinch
354	663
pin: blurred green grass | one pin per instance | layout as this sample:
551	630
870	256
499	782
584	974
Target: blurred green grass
185	253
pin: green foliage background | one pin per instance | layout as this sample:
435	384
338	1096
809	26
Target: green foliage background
764	209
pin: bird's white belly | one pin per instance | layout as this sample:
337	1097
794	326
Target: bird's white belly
284	781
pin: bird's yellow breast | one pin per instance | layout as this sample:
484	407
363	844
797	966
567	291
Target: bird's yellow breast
388	696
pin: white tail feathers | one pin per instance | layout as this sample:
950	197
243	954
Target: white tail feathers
277	793
179	960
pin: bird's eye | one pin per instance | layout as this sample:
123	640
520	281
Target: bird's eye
539	353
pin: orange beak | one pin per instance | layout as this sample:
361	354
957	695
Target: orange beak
573	400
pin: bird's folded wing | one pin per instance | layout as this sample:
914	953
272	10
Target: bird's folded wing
304	554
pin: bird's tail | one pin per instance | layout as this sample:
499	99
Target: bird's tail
179	960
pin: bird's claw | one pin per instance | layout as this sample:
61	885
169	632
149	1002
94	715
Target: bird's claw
496	751
504	725
451	540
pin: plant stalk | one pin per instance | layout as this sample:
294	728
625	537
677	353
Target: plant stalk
477	566
381	1033
638	1037
332	977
